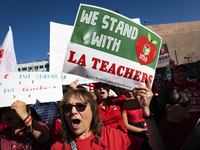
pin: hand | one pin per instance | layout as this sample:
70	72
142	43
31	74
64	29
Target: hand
20	108
171	63
144	96
74	84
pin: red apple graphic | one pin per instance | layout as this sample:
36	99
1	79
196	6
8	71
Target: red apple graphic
163	50
145	49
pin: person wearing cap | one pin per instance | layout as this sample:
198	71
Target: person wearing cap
180	73
157	85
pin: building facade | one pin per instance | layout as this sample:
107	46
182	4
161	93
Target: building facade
35	65
183	42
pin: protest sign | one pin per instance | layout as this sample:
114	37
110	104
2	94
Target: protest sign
30	86
108	47
168	72
59	37
164	54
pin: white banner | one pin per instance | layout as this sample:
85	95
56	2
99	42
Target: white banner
8	61
30	86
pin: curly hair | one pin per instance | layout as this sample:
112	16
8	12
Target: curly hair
96	123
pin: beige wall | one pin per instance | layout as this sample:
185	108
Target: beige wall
182	37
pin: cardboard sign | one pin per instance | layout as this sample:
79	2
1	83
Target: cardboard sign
30	86
164	54
108	47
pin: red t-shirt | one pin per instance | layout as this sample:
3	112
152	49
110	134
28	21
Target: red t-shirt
2	125
55	131
112	114
134	116
180	130
111	138
155	92
193	90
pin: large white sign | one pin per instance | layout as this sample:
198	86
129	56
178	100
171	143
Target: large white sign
108	47
59	38
30	86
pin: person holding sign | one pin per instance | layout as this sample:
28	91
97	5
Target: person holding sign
110	108
22	132
82	128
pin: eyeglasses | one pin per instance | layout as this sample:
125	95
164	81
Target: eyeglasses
183	103
79	107
178	70
159	79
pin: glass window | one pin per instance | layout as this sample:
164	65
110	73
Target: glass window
24	69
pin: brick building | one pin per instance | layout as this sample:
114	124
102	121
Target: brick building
183	42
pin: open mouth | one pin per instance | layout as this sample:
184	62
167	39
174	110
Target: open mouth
76	123
9	118
102	93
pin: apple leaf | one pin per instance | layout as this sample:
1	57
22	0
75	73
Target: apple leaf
154	42
149	37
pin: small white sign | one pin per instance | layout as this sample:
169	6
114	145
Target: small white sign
29	86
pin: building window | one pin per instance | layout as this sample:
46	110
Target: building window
24	69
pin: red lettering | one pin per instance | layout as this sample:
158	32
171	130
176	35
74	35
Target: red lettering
112	69
104	65
96	60
119	70
150	79
25	89
137	75
71	57
144	77
82	60
128	73
38	88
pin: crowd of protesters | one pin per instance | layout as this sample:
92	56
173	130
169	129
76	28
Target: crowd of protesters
100	116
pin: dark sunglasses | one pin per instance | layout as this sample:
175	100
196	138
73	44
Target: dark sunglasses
159	79
183	103
79	107
178	70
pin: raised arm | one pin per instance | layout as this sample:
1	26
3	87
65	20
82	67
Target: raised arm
39	132
144	100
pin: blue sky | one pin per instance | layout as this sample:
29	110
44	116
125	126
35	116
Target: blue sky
30	19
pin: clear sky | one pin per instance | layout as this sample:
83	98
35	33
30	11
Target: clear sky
30	19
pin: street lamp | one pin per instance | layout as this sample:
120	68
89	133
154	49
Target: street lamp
145	22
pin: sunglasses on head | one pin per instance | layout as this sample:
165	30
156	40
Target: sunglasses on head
159	79
183	103
79	107
179	70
